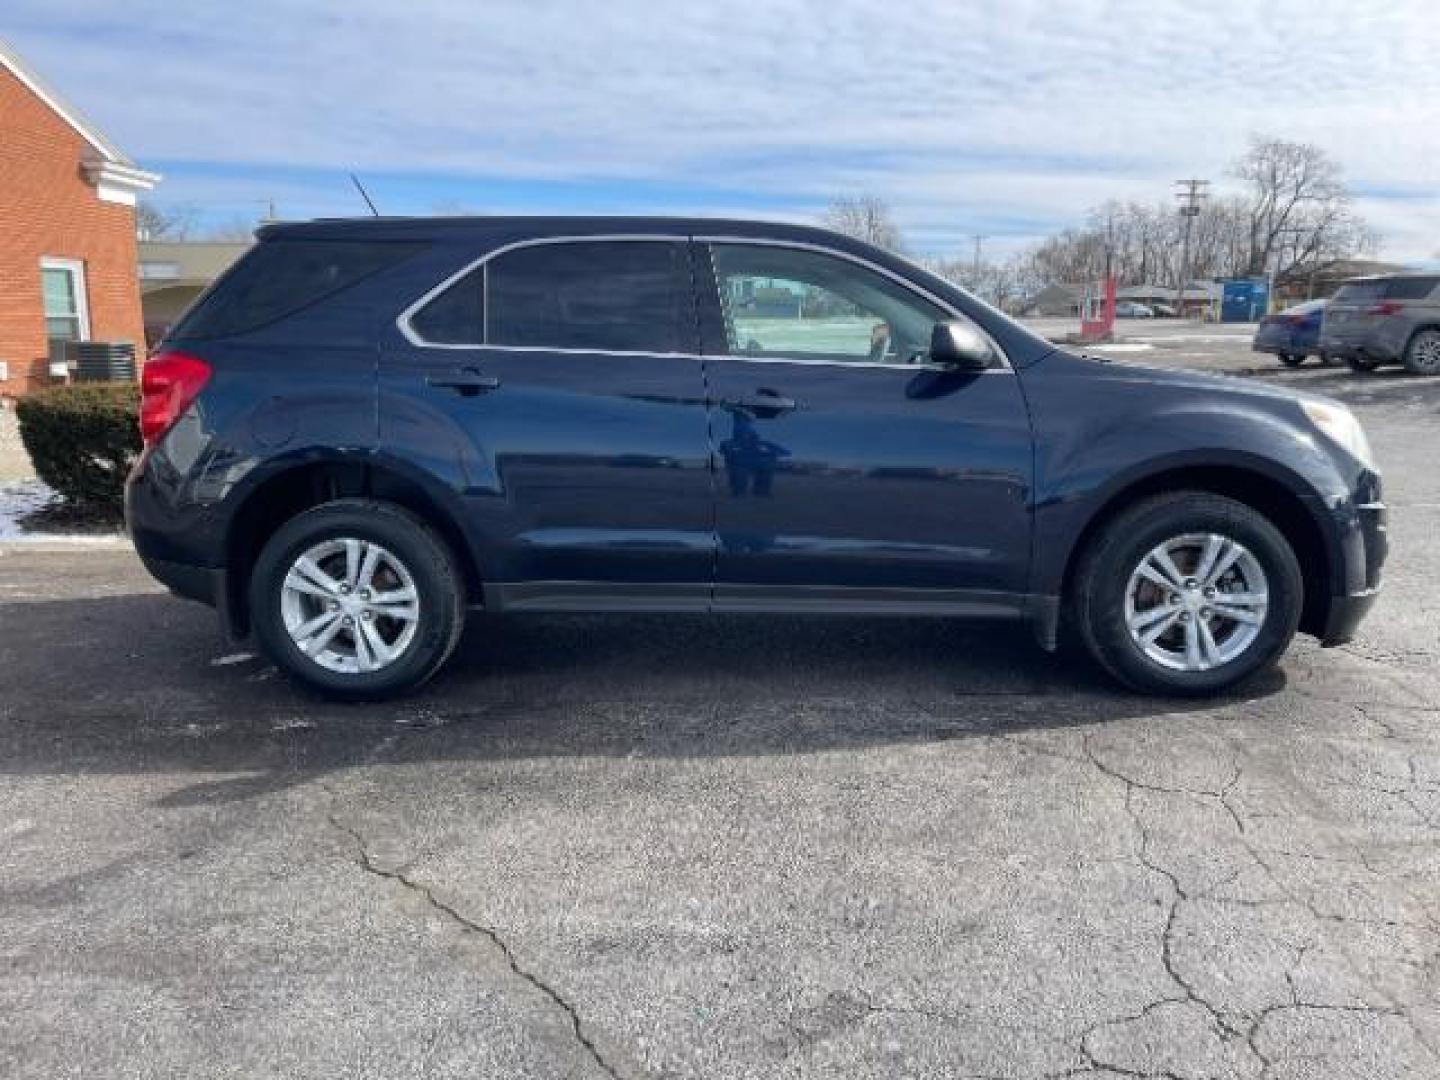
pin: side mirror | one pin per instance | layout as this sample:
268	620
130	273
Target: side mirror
960	346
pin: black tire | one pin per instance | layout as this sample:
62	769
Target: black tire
1422	355
1097	595
423	554
1291	359
1361	364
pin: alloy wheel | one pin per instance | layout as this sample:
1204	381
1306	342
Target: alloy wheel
1196	602
1424	354
350	605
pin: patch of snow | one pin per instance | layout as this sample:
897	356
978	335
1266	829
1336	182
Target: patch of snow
1194	339
233	658
22	497
1128	346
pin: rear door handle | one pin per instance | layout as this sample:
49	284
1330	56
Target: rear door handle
765	401
467	382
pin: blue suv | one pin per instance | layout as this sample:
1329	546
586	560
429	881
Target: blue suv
367	427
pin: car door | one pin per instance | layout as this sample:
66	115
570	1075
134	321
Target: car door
851	472
555	386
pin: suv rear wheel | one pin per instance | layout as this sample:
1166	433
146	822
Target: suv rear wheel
1422	355
1187	593
359	599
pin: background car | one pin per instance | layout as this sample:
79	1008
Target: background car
1128	309
1385	320
1292	334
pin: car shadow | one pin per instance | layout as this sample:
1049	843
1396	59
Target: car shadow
143	683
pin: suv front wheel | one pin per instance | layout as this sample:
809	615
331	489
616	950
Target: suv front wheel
360	599
1187	593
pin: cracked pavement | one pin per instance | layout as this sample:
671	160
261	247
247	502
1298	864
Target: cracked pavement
626	847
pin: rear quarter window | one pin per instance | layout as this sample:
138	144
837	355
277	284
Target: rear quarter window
277	278
1410	288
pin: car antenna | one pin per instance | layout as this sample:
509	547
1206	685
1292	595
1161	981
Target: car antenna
364	194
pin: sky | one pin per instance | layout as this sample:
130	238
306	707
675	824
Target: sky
1004	119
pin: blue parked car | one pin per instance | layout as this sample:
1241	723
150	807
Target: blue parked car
367	427
1292	334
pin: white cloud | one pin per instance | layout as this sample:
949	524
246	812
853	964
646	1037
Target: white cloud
962	114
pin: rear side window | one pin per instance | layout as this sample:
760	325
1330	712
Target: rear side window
616	296
1415	288
606	296
280	277
457	315
1401	288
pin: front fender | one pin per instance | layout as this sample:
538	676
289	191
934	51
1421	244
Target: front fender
1099	439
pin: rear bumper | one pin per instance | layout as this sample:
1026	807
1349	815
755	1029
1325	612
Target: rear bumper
1272	341
203	583
208	585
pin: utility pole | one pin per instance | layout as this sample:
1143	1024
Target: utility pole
1191	193
980	238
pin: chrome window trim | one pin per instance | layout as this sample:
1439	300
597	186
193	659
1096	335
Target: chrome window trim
879	365
402	321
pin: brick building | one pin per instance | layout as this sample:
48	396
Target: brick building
67	232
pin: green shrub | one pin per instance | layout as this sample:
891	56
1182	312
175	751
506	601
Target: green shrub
83	439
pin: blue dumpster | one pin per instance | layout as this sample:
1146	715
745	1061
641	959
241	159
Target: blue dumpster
1244	300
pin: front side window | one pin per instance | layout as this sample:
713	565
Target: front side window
605	296
791	302
62	283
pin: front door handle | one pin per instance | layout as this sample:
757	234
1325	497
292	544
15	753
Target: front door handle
467	382
767	403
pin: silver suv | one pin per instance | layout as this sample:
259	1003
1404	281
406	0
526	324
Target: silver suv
1381	320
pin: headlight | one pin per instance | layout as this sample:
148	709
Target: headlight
1339	423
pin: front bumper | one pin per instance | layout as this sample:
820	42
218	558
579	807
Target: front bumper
1366	546
1346	614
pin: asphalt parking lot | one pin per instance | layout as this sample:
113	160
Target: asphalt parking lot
639	847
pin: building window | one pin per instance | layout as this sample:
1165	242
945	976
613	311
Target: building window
66	317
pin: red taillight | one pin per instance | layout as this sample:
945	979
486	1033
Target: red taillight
170	382
1386	307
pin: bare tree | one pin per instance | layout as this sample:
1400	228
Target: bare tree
181	222
1005	283
1293	215
865	217
1298	205
174	221
236	230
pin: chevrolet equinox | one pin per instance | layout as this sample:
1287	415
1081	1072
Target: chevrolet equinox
367	427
